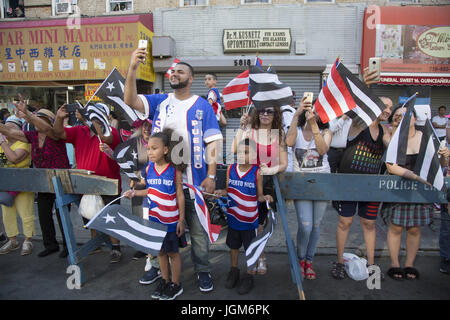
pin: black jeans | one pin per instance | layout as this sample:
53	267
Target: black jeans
334	158
45	205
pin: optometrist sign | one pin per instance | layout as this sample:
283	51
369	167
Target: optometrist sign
256	40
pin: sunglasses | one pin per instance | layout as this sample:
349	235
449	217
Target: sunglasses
267	111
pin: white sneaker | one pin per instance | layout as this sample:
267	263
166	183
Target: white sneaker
27	247
148	265
9	246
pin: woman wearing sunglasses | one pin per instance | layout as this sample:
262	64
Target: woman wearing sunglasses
310	139
264	127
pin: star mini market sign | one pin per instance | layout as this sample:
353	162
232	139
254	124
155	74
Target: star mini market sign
256	40
50	50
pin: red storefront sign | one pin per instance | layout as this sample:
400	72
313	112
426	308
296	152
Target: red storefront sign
412	42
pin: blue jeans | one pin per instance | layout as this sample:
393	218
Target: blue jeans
309	216
444	234
199	238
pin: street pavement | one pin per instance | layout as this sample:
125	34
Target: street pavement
34	278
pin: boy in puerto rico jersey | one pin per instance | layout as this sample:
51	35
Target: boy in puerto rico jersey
244	190
214	98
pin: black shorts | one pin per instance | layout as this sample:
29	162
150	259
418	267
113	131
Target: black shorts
366	210
237	238
171	243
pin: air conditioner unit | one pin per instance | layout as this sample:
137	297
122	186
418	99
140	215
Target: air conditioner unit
63	8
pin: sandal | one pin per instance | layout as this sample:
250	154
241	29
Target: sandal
338	271
409	272
396	273
310	273
302	267
262	266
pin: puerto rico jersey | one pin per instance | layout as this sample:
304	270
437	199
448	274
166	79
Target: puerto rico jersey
242	213
193	119
214	95
162	196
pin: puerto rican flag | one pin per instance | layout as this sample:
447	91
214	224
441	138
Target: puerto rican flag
345	93
162	206
236	94
243	207
174	63
212	230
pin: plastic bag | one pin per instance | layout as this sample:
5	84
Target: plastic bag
90	205
355	267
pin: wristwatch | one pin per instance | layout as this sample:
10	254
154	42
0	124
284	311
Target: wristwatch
211	176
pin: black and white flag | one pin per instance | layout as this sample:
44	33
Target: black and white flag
428	166
396	151
257	245
143	235
126	156
111	92
266	90
368	105
100	112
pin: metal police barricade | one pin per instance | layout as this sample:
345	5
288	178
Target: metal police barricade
68	185
345	187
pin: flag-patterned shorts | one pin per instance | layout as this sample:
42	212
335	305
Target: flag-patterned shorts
408	214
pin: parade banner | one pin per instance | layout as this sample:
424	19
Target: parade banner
412	42
50	50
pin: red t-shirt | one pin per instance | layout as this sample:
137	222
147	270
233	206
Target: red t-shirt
88	154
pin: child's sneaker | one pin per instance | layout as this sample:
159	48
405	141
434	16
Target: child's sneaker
150	276
171	291
9	246
27	247
232	278
162	284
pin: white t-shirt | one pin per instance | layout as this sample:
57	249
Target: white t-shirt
306	158
287	113
440	121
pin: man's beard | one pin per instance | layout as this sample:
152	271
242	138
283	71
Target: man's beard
180	85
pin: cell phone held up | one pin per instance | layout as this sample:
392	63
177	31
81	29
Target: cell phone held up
375	64
71	109
309	97
143	44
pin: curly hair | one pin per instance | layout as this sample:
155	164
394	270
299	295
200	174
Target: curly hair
166	138
277	122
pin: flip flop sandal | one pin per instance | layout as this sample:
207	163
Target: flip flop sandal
302	268
411	271
394	273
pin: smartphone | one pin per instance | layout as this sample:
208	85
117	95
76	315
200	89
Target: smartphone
309	96
374	64
72	107
143	44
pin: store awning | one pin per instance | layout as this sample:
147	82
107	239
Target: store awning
412	42
61	52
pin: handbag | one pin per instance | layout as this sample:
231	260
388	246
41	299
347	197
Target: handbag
7	197
90	205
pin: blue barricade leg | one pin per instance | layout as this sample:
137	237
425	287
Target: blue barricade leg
76	253
295	268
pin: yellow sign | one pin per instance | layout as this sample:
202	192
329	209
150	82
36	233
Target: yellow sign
89	90
51	51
